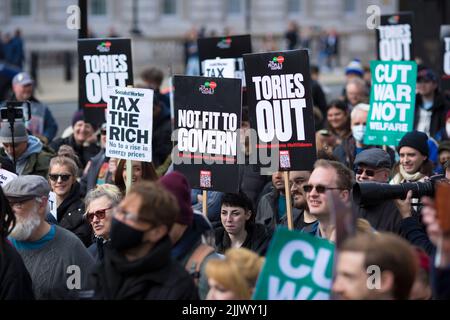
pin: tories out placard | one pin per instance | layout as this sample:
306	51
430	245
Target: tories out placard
281	107
207	120
230	49
392	102
395	37
129	121
102	63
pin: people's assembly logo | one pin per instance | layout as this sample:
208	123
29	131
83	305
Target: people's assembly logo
225	43
394	19
208	87
276	63
105	46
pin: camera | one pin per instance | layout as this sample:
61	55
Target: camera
374	192
15	110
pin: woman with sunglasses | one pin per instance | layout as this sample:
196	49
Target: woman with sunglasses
99	207
140	171
62	176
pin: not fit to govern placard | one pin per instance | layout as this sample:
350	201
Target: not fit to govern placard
129	121
207	119
392	102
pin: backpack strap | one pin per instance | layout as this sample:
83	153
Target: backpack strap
196	259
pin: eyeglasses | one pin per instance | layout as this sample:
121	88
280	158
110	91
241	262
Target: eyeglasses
369	172
64	177
100	214
129	216
319	188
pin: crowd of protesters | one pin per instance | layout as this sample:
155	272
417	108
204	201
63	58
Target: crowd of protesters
152	241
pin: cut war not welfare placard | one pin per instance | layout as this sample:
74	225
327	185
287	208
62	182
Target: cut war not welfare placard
392	101
298	266
129	124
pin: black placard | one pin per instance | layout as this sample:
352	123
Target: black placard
395	37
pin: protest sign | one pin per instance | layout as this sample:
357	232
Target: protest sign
219	68
129	121
298	266
52	204
209	49
207	119
395	37
445	62
6	177
102	63
281	107
392	102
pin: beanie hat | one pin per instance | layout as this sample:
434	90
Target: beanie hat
20	133
177	184
416	140
77	116
354	67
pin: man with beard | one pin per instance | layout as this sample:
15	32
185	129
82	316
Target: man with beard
56	259
296	180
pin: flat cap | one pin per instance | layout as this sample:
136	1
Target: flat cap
374	158
26	187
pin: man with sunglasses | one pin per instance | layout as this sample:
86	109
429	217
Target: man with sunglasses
327	175
374	165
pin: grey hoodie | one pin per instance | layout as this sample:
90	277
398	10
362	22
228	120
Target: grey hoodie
34	146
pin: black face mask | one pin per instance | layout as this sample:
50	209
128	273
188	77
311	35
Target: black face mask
124	237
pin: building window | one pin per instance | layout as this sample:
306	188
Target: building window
235	6
349	6
98	7
169	7
294	6
20	8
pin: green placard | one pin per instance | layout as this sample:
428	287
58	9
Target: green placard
392	101
298	267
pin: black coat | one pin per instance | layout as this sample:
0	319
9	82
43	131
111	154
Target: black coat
15	281
155	276
84	153
383	216
257	239
70	216
161	140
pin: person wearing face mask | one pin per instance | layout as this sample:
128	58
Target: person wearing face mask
354	144
137	262
431	105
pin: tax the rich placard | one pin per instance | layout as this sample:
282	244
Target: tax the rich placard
233	47
207	121
392	102
129	124
281	107
102	63
395	37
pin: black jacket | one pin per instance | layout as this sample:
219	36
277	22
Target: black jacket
257	239
383	216
15	281
84	153
440	108
161	140
97	249
153	277
412	230
70	216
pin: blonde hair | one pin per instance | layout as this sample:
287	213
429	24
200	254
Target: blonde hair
238	272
